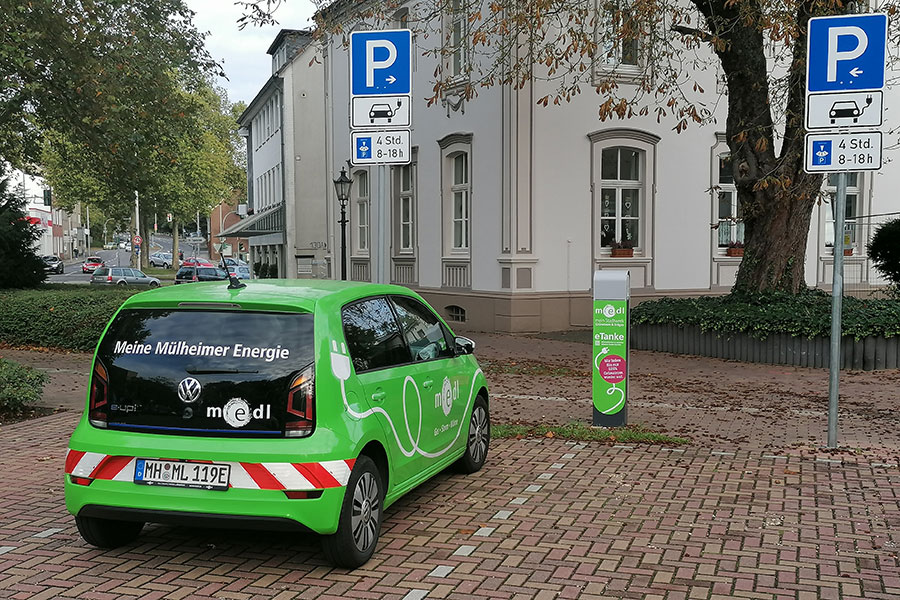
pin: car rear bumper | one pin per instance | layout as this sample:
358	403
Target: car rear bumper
262	471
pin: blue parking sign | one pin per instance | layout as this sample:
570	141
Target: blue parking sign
846	52
380	62
363	148
822	152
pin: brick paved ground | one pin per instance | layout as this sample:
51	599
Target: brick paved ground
752	509
544	519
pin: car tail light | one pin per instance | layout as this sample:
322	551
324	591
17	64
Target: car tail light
99	395
303	494
81	480
109	277
300	405
194	277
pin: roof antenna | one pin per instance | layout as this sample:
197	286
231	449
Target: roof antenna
233	282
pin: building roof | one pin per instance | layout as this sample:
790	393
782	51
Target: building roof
283	34
274	83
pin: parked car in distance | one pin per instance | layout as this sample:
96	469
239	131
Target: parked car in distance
109	246
234	262
192	274
123	276
91	264
161	259
239	271
288	405
53	264
196	261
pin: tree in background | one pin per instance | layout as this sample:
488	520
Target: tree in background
74	67
20	266
179	158
558	48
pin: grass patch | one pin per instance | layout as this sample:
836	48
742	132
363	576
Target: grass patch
635	434
160	273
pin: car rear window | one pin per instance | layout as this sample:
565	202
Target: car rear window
93	259
101	272
243	358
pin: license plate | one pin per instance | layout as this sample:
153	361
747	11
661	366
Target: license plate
174	473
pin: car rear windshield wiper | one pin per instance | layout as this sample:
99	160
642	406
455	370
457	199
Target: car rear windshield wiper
211	371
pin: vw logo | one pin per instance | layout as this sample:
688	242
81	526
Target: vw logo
189	389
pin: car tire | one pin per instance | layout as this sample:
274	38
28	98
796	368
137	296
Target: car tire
360	520
479	439
153	284
167	266
108	533
122	283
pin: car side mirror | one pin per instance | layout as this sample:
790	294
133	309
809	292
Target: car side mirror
464	345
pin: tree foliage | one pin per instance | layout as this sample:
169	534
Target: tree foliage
20	267
884	251
693	56
79	66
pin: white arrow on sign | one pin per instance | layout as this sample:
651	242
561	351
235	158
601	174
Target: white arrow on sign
856	72
391	79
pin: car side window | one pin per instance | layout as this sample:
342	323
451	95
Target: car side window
372	334
422	330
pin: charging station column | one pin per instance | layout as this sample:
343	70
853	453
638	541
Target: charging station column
609	369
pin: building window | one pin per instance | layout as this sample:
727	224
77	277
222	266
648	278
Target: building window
457	314
456	39
405	208
621	184
459	192
362	211
731	214
618	37
851	209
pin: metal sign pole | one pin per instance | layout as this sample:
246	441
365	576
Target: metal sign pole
837	295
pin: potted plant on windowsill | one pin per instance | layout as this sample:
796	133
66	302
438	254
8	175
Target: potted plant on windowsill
735	249
622	249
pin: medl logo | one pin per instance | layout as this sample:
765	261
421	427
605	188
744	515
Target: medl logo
444	399
237	412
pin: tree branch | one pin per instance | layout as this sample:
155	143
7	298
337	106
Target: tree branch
699	33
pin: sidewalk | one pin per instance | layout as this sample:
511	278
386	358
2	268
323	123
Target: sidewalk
720	404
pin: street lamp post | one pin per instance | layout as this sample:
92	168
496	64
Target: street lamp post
105	238
342	187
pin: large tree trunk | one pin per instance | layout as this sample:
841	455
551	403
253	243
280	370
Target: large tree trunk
175	263
776	195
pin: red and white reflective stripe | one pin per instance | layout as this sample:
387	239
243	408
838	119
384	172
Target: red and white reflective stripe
250	476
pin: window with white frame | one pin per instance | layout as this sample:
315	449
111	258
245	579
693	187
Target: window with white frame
617	37
456	39
459	195
851	208
621	187
730	213
405	208
362	211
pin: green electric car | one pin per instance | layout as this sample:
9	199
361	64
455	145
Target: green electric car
284	404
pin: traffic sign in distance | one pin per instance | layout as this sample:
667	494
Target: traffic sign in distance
846	52
387	147
837	152
137	241
844	109
379	111
381	62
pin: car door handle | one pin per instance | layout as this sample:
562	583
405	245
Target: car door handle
378	396
427	383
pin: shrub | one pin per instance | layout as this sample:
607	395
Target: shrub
20	386
20	267
807	314
58	316
257	269
884	251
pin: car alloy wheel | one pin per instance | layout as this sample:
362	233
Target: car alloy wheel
359	523
366	512
478	434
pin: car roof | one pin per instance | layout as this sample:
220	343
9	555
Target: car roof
299	295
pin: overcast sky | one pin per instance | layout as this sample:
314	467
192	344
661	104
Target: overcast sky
243	53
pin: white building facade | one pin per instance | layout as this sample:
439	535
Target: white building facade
508	207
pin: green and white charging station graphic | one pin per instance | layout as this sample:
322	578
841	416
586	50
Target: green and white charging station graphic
610	348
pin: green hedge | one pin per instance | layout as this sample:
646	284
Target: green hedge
58	316
20	386
807	314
